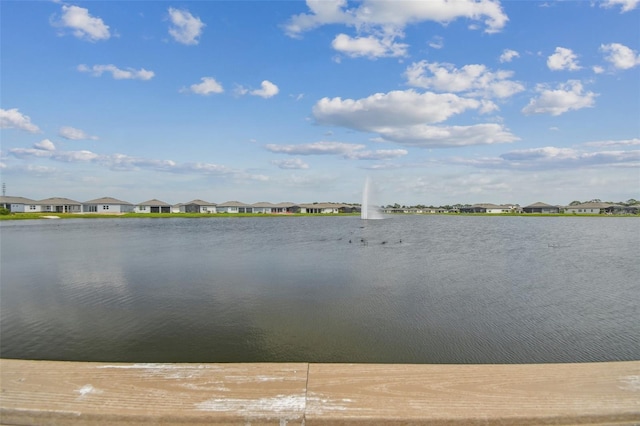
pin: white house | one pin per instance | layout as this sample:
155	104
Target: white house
588	208
19	205
324	208
153	206
264	207
197	206
107	205
234	207
60	205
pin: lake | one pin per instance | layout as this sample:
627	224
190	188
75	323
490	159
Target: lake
406	289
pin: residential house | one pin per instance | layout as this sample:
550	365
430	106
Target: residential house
19	204
198	206
323	208
487	208
153	206
589	208
285	207
234	207
60	205
107	205
540	207
263	207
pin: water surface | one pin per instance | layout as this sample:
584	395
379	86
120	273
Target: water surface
408	289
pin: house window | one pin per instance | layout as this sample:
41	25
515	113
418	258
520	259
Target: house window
105	207
142	208
32	207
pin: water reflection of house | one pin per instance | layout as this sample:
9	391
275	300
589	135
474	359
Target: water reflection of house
19	204
60	205
540	207
153	206
107	205
198	206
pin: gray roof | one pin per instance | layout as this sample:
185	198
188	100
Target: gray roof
539	204
108	200
199	203
322	205
154	203
16	200
264	204
233	204
58	201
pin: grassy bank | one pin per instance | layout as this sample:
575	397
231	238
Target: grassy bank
32	216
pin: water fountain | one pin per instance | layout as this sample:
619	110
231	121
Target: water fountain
368	211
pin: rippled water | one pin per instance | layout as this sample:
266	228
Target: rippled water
408	289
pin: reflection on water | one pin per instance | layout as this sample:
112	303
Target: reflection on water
414	289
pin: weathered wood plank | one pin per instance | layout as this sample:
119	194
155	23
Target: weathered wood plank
78	393
591	393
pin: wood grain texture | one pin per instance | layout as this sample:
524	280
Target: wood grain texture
474	394
75	393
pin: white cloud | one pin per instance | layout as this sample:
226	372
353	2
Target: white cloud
117	73
606	144
45	144
425	136
563	59
508	55
394	15
566	97
315	148
83	25
369	47
72	133
406	117
291	164
14	119
208	86
396	108
620	56
626	5
436	42
549	157
346	150
474	80
185	28
267	90
597	69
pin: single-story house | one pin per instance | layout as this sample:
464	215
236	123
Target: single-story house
589	208
618	209
107	205
234	207
153	206
324	208
487	208
60	205
540	207
284	207
19	204
263	207
346	208
198	206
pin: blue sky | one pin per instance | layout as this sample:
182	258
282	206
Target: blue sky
437	102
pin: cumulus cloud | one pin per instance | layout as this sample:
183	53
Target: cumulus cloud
625	5
563	59
117	73
407	117
370	46
394	16
508	55
346	150
474	80
14	119
72	133
566	97
267	90
207	86
82	24
185	28
291	164
620	56
45	144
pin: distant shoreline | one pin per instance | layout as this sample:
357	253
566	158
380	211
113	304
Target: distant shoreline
50	216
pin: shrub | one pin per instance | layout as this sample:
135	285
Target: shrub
4	212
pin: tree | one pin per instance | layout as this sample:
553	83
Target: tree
575	203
